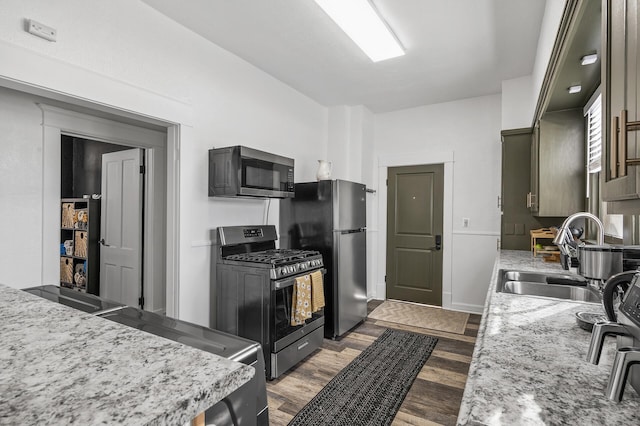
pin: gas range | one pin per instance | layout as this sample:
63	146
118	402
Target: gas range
254	288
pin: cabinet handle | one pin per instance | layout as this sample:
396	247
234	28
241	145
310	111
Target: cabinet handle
613	145
531	197
622	144
619	144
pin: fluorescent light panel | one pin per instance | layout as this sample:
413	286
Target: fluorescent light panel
575	89
361	21
589	59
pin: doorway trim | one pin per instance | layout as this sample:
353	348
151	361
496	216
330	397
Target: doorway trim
160	265
413	159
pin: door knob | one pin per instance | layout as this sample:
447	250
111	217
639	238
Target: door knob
102	243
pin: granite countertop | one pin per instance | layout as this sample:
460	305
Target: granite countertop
529	364
62	366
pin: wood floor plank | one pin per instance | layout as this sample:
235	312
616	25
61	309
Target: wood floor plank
406	419
451	355
434	397
442	376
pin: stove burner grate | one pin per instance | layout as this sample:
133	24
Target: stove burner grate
274	256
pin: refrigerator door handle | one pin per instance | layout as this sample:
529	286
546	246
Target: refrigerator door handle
352	231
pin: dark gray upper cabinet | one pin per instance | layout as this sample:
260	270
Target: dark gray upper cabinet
558	164
620	90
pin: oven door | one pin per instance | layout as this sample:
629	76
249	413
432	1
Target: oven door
283	333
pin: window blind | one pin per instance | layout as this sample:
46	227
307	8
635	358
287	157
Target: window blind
594	136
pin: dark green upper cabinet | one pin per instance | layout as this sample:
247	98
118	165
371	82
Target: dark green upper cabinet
558	166
620	89
579	34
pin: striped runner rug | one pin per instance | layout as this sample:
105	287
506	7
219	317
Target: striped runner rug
370	390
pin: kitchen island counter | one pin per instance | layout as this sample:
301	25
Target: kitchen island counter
529	364
62	366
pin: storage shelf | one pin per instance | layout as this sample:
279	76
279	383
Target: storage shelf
83	233
542	234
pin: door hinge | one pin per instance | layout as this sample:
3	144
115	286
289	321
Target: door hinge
142	169
385	278
141	302
386	182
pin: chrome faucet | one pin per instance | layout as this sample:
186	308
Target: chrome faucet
564	236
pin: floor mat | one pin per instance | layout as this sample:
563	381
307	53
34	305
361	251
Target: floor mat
421	316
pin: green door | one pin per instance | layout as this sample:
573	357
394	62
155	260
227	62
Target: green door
414	233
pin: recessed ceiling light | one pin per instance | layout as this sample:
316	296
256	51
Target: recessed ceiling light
589	59
361	21
575	89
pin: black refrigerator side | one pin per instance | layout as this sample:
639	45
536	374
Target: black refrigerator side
306	222
329	216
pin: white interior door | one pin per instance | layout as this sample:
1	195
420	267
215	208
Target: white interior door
121	227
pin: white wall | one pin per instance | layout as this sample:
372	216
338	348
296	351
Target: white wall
518	103
520	95
125	55
21	191
548	31
470	130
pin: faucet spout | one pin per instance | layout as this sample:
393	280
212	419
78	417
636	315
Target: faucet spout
564	236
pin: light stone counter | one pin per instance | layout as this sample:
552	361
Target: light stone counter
529	364
61	366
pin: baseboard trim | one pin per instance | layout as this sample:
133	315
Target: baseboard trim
467	307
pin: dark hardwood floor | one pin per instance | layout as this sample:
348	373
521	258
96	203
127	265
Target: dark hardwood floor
434	398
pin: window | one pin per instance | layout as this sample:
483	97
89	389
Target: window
593	116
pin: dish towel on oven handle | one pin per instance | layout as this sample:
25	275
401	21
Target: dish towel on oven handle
317	291
301	300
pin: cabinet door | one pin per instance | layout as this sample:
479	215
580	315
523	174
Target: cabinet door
561	164
620	92
532	200
516	215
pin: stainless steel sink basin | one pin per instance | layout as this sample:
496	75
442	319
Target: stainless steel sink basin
537	284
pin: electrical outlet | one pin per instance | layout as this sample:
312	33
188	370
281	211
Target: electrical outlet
41	30
465	222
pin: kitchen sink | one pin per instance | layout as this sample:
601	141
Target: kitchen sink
558	286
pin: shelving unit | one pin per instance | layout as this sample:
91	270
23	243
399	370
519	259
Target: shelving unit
546	236
79	251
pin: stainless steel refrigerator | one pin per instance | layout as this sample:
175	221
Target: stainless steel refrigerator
330	216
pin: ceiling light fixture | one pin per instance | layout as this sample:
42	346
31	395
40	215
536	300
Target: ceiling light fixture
589	59
575	89
362	22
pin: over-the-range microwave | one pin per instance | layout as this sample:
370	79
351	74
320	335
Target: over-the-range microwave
239	171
